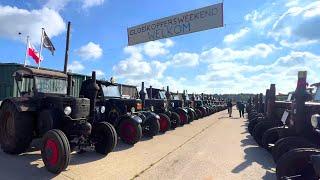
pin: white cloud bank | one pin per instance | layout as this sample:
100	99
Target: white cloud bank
90	51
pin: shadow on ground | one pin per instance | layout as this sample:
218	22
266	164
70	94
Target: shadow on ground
256	154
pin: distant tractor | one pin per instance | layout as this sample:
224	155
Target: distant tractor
125	115
46	110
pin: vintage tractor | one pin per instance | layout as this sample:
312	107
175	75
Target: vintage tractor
177	101
296	155
46	110
122	113
158	103
187	102
198	106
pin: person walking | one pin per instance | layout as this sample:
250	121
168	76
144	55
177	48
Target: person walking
241	108
229	105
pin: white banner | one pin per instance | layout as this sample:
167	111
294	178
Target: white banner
193	21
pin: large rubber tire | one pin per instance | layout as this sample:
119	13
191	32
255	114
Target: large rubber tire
271	136
105	138
191	116
129	131
199	114
16	129
55	151
260	129
297	163
284	145
252	124
175	120
183	118
151	127
164	123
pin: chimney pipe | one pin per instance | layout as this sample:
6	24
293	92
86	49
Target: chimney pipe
66	56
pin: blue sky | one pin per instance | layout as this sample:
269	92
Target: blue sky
262	42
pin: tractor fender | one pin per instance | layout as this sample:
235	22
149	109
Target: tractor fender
22	104
179	110
150	116
191	110
131	117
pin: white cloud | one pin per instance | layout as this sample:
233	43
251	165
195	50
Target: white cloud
100	74
91	3
185	59
234	37
291	34
61	4
29	22
90	51
259	19
228	54
56	4
76	67
156	48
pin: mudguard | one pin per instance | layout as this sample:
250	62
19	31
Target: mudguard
150	116
178	110
191	110
131	117
315	160
22	104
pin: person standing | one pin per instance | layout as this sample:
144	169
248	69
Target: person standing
229	105
241	109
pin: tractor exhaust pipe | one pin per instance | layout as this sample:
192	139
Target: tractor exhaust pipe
66	55
298	105
142	94
168	93
151	93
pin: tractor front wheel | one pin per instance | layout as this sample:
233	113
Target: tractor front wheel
55	151
296	163
105	138
130	131
164	123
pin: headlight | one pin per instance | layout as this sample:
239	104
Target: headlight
67	110
152	108
103	109
172	104
133	109
315	120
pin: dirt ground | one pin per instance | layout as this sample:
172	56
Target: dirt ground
215	147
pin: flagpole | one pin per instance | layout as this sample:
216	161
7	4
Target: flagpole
26	56
41	48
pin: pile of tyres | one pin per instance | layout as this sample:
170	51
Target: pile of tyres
289	129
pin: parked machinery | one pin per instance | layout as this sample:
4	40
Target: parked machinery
179	101
294	153
48	112
122	113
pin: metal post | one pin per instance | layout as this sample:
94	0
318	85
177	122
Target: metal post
41	45
66	56
27	49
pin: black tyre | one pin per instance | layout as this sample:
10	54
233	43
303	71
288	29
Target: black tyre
164	123
105	138
252	124
199	114
175	120
259	130
55	151
151	127
191	116
271	136
16	129
183	118
286	144
296	163
129	131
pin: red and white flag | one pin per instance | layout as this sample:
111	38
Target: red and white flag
32	52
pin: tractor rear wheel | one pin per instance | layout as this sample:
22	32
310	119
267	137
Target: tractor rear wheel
296	163
16	129
271	136
105	138
164	123
286	144
55	151
190	116
259	130
151	127
130	131
252	124
175	120
199	114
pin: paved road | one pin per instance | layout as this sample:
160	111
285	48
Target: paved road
215	147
